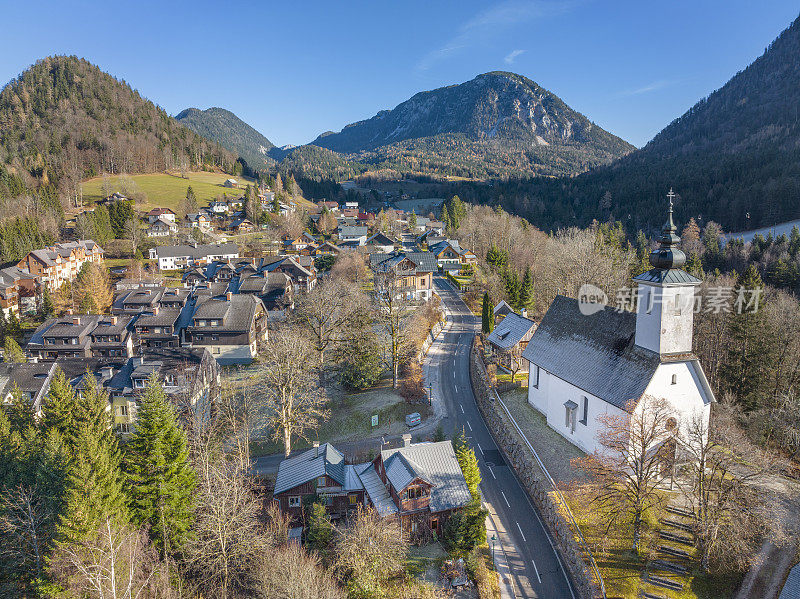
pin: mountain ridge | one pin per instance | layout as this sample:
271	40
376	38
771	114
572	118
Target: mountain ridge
234	134
500	117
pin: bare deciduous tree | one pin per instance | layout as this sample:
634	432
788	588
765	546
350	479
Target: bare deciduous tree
394	317
22	527
350	266
294	401
327	312
115	563
369	551
291	573
724	469
636	447
228	537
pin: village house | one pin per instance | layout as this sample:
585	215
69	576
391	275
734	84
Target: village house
190	378
509	339
420	484
380	243
357	234
587	359
60	263
200	220
304	277
413	272
231	327
19	291
175	257
82	336
326	249
162	227
231	183
242	225
161	327
160	214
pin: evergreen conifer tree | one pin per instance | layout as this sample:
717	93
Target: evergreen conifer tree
48	309
525	299
751	352
487	322
12	352
14	328
58	410
94	487
320	528
162	481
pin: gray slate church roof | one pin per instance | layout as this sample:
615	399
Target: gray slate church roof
595	353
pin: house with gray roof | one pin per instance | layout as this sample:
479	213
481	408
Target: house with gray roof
588	360
420	484
353	234
175	257
231	327
83	336
412	271
509	339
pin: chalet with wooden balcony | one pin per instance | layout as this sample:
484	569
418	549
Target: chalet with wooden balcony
420	484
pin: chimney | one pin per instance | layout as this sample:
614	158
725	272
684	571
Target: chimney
316	449
229	296
155	310
107	371
76	320
69	311
113	320
524	313
407	440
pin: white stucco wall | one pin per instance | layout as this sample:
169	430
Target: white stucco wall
549	399
685	396
665	317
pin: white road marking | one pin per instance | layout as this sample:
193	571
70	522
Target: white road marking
454	372
462	408
535	569
506	500
523	537
469	425
481	448
492	471
456	386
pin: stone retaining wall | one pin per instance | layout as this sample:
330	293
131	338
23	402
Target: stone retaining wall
533	480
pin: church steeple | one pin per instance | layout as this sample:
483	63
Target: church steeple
668	255
665	299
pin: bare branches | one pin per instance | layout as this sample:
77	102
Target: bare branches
115	563
637	447
395	309
294	401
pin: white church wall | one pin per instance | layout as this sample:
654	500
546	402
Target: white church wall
549	399
685	396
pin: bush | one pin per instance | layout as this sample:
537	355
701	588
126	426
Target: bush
360	364
412	386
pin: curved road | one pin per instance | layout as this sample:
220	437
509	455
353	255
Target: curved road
534	565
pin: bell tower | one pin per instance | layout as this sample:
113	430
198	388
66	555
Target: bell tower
665	307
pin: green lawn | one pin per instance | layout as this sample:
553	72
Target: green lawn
622	569
166	190
351	418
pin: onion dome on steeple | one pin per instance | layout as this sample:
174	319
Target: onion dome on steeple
668	255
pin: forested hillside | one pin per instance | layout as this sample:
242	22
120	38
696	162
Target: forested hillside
64	119
231	132
494	125
733	158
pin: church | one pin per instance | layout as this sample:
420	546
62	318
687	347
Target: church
602	360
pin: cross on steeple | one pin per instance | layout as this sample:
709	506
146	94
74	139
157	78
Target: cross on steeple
671	196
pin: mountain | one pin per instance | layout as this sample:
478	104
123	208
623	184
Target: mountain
498	123
231	132
734	158
64	119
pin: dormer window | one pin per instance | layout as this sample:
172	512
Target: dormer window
415	493
169	380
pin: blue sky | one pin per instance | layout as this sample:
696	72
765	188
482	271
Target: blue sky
295	69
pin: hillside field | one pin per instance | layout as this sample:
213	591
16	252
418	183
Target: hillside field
166	190
163	190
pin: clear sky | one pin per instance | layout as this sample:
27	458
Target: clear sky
294	69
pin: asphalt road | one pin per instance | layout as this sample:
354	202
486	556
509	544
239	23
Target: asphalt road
535	567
